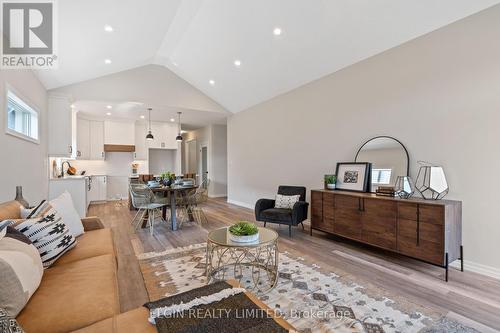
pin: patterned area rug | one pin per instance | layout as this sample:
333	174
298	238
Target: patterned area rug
311	300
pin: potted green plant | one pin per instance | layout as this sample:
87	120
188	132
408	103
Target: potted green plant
244	232
167	178
330	181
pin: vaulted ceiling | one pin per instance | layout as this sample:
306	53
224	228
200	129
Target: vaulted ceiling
200	40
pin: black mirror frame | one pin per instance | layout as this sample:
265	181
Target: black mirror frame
387	137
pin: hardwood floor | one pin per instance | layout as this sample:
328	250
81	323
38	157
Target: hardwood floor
467	297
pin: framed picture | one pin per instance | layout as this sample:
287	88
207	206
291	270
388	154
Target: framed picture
353	176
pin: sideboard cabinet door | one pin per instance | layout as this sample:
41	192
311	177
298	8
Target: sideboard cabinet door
379	220
348	216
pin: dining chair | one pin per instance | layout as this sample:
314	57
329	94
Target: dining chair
143	199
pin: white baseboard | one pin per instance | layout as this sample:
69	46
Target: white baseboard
478	268
241	204
217	195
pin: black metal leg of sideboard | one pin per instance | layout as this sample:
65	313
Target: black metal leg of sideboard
446	267
462	258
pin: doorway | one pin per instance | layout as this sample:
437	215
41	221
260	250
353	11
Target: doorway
204	165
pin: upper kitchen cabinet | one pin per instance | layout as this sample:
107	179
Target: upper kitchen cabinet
119	133
141	147
164	136
96	140
82	139
62	127
89	139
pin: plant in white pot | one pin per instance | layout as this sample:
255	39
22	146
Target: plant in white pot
330	181
244	232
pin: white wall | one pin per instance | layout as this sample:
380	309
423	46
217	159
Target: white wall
23	163
215	138
439	95
162	160
218	161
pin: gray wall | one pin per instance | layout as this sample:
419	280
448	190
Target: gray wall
23	163
438	94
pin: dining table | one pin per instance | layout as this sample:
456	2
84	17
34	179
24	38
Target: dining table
172	191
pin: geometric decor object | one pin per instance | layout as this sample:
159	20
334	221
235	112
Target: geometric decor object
404	187
431	182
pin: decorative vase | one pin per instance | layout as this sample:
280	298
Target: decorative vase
167	182
244	239
431	182
330	186
404	187
19	197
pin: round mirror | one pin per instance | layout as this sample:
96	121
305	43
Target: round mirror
389	159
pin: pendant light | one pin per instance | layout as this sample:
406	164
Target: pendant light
179	136
149	136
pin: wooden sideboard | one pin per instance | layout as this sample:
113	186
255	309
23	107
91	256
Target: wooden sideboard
430	231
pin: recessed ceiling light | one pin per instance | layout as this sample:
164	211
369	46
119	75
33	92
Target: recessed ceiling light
72	106
108	28
109	107
107	61
277	31
237	63
212	82
175	64
142	117
172	119
109	113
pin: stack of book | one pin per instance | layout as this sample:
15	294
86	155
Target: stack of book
387	191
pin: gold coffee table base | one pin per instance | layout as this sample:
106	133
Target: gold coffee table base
254	265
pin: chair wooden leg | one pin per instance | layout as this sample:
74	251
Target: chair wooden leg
290	230
302	224
264	224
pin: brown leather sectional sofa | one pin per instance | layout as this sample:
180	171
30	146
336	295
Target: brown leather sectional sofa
80	291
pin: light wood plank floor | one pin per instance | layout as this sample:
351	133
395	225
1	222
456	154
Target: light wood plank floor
467	297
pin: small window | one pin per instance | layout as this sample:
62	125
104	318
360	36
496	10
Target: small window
381	176
22	119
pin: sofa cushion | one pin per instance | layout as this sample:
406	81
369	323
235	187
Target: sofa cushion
21	270
277	214
90	244
49	234
134	321
73	296
10	210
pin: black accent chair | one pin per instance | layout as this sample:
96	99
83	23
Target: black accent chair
265	211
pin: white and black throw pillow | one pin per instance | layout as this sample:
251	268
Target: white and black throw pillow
8	324
286	201
48	233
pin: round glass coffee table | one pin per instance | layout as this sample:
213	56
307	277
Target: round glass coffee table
254	265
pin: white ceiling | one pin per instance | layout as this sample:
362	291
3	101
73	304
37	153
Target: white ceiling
200	39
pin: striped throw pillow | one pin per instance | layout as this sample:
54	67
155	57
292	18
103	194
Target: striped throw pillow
47	232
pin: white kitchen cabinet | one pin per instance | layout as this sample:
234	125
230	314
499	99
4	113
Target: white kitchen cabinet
82	139
61	127
119	133
89	139
98	188
76	187
96	140
141	147
164	136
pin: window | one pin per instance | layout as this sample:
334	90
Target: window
22	119
381	176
